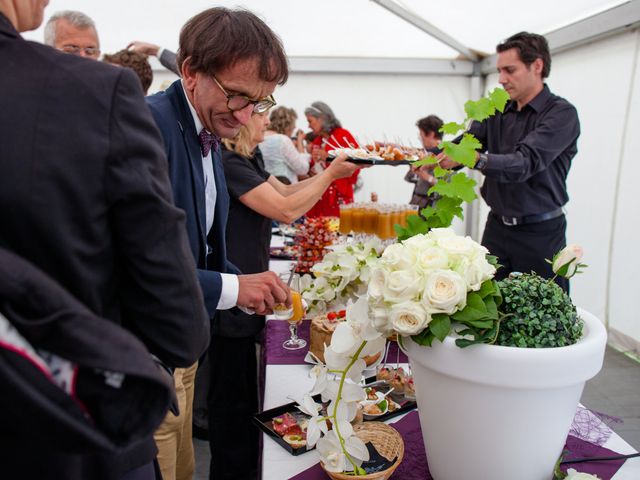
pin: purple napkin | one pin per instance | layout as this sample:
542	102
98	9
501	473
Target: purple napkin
414	465
276	332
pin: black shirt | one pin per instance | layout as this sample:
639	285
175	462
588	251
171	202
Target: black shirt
248	232
530	154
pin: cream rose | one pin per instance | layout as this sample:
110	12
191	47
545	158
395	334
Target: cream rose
402	285
397	257
419	242
376	283
432	258
457	246
445	292
409	318
437	233
571	254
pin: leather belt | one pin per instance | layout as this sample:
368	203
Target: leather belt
540	217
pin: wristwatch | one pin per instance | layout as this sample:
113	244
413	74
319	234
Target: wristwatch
482	161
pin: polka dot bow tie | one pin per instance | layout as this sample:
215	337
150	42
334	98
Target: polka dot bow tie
208	141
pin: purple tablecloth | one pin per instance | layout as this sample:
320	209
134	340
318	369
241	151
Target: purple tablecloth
414	465
277	332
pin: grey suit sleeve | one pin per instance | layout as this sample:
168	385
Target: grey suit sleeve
160	295
168	61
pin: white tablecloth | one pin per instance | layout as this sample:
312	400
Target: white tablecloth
284	381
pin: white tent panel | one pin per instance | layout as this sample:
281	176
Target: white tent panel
624	261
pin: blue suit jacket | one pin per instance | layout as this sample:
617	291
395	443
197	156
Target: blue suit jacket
171	112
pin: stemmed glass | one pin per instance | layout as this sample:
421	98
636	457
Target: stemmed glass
293	314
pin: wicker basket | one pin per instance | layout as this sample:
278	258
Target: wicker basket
387	441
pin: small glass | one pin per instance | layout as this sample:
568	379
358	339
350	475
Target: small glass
293	314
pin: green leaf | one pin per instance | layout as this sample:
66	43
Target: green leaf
493	260
475	309
424	338
480	109
487	288
499	98
481	323
428	160
440	325
451	128
463	152
439	172
458	186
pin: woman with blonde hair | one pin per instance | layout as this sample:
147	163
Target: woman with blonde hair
256	197
284	157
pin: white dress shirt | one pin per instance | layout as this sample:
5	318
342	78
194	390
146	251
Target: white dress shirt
230	287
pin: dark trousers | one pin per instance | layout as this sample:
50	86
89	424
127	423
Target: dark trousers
524	248
233	400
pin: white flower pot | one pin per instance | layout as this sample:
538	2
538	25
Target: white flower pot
499	413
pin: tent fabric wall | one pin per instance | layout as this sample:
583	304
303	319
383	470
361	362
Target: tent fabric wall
601	80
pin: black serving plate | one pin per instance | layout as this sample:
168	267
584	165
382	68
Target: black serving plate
264	419
375	161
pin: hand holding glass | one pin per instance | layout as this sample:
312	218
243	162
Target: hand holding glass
293	314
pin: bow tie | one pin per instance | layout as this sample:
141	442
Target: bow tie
208	141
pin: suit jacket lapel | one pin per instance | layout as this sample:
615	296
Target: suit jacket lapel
192	144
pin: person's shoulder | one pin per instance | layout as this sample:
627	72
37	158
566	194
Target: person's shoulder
558	101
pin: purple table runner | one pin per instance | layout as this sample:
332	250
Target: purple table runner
414	465
277	331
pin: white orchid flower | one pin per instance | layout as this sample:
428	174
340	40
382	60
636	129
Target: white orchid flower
331	454
335	361
319	372
358	318
574	475
357	449
317	424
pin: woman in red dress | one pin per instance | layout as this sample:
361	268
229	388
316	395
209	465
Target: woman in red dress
330	134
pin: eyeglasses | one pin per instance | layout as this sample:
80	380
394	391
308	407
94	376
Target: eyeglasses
237	102
76	50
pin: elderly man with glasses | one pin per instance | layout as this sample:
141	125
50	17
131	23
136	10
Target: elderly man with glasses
230	63
73	32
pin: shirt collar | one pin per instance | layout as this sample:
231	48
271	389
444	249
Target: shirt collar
196	119
537	103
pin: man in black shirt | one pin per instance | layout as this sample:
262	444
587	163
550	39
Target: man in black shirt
528	148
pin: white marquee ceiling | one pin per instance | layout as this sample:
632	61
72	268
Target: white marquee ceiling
331	28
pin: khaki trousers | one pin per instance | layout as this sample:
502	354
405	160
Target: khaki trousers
173	437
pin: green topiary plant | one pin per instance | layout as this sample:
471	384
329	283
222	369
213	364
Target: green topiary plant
537	314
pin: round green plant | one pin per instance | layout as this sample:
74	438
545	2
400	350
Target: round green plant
537	313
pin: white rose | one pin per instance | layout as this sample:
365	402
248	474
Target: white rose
437	233
571	254
402	285
474	271
457	246
574	475
380	317
432	258
397	257
419	242
445	292
377	282
409	318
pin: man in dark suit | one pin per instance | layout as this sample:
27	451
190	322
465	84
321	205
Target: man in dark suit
85	196
230	64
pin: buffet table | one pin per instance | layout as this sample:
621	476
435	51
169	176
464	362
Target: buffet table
284	381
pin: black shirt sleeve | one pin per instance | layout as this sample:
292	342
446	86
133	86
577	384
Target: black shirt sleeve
243	174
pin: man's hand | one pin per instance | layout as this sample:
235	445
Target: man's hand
340	167
261	291
445	162
144	48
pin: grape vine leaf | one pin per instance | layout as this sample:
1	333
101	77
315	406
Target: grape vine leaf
479	110
499	98
463	152
451	128
459	186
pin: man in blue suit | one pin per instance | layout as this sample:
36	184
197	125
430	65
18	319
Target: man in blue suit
230	63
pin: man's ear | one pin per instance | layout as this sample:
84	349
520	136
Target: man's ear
538	65
188	75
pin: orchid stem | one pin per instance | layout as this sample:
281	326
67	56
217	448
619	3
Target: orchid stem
354	358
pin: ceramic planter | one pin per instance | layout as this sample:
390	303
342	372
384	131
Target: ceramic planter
496	413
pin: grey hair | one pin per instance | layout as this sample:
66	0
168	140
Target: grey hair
322	111
75	18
